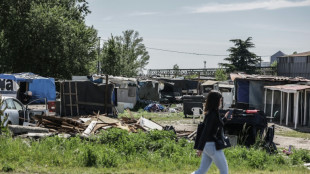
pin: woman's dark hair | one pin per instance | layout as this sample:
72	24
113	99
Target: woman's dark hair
213	101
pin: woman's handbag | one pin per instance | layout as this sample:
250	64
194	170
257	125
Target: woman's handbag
198	134
221	141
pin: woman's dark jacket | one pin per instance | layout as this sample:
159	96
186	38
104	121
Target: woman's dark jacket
212	122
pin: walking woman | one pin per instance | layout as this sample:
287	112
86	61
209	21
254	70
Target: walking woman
206	146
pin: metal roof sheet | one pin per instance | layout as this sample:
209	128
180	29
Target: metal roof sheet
209	82
288	88
304	54
234	76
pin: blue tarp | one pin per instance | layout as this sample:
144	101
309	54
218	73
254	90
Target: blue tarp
243	91
13	77
40	87
43	88
154	107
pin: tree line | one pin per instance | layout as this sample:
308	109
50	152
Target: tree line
50	38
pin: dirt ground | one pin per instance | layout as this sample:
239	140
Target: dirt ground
281	141
285	142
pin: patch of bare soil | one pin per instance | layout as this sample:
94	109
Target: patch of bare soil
281	141
182	125
285	142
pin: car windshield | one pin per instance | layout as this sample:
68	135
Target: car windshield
18	106
10	104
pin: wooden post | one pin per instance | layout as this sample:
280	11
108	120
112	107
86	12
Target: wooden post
61	95
305	108
106	94
296	103
198	83
265	100
64	97
272	97
76	100
281	108
287	107
70	97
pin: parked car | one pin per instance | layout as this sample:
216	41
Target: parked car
18	114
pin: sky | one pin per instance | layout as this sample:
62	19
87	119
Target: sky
205	27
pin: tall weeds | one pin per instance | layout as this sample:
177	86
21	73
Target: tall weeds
156	150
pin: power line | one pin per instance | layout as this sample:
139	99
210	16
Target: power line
183	52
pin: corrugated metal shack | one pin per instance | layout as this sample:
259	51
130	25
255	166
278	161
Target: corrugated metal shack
294	104
295	65
250	92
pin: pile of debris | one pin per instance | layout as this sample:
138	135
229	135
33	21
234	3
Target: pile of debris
59	124
85	125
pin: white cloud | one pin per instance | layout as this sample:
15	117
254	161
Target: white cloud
143	13
268	5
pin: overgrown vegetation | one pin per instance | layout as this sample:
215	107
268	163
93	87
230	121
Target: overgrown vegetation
116	150
124	55
220	74
3	120
49	38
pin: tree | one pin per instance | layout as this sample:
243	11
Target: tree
129	52
111	57
176	70
49	38
274	67
220	74
240	58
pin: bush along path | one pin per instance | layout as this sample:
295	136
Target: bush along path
116	150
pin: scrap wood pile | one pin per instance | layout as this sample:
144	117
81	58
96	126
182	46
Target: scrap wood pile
93	124
90	125
59	124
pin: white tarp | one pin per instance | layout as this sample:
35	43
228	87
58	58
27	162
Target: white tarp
148	124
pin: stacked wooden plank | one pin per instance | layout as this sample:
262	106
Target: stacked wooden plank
60	124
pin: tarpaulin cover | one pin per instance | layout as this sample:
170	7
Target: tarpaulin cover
13	77
43	88
154	107
40	87
243	91
256	95
148	91
90	98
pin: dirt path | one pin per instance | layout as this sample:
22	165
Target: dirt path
299	143
281	141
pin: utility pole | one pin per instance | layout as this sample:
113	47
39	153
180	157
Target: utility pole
98	64
205	66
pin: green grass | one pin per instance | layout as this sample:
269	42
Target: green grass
117	151
294	133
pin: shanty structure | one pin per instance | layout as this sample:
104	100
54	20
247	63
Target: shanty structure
41	87
294	103
295	65
207	86
86	98
227	91
250	91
